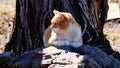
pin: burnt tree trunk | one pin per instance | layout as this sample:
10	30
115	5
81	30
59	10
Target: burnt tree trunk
33	17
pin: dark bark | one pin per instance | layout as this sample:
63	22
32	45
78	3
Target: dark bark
52	57
33	17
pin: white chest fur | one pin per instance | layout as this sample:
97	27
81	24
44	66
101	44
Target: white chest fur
62	34
69	34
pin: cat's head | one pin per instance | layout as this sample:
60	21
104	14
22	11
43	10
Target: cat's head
61	20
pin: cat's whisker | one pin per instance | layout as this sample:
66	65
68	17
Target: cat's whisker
52	25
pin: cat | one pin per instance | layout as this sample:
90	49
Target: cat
64	30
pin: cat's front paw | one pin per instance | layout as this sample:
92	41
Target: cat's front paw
62	42
67	42
75	44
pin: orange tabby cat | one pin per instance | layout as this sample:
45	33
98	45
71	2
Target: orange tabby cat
64	30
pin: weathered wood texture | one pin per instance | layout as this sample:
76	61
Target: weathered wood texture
33	17
52	57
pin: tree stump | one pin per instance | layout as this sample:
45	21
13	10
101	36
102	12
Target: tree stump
33	17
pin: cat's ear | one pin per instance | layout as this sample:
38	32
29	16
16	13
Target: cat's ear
56	12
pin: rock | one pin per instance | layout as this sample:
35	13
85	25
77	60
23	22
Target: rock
62	57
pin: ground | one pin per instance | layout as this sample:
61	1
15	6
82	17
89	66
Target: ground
112	32
7	14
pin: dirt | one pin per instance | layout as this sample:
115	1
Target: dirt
7	13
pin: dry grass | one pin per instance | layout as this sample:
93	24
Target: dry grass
7	13
113	36
7	7
111	30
